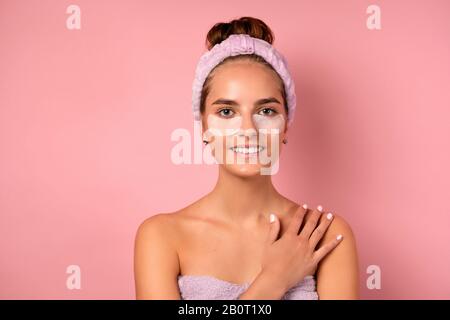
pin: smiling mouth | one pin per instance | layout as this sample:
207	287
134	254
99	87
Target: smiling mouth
247	150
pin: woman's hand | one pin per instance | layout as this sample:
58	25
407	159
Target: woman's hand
292	257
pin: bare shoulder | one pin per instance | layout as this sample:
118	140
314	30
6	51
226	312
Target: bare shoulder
159	225
169	228
340	226
338	271
156	221
156	263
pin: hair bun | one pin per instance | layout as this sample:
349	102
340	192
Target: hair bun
247	25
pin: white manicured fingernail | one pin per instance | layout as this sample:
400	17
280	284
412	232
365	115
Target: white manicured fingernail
319	208
305	206
272	217
339	237
329	216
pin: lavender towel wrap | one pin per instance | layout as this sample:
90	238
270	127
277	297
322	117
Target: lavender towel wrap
204	287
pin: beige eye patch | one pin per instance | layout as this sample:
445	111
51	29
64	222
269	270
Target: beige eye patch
219	126
269	123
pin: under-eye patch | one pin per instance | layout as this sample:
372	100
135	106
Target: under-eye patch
220	126
269	123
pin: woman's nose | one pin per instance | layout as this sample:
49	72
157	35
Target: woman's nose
247	123
247	130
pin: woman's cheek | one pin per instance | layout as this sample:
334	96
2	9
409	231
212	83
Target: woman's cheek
270	129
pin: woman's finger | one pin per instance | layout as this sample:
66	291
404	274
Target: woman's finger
318	233
274	230
296	220
326	248
311	223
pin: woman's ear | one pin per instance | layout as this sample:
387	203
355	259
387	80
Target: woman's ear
206	135
285	135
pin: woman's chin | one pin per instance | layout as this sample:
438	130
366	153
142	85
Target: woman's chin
244	170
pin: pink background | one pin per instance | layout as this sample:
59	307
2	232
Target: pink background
86	118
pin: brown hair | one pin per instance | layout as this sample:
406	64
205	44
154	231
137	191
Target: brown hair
245	25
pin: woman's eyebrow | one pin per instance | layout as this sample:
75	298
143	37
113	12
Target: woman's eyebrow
267	100
257	103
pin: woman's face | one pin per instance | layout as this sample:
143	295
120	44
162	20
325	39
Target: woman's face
245	108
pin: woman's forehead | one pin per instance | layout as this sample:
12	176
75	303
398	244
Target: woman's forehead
243	82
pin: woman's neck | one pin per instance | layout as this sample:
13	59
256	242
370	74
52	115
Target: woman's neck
244	200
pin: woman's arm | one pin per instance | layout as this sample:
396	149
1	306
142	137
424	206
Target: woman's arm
338	272
156	264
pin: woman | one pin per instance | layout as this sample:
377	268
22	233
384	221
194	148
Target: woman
227	245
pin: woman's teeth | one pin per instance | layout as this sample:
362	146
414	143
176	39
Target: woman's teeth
247	150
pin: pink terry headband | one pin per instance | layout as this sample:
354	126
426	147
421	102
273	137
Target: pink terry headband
237	44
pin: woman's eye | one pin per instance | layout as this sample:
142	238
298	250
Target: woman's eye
226	112
268	111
